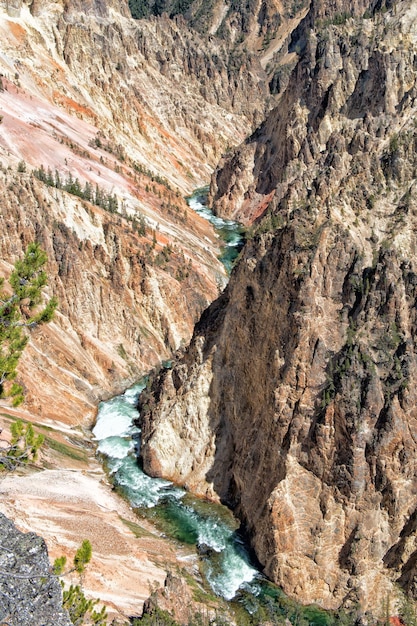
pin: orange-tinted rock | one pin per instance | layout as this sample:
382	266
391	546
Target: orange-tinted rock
299	379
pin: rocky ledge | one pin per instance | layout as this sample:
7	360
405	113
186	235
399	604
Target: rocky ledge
29	593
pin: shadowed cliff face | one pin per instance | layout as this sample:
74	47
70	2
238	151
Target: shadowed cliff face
295	402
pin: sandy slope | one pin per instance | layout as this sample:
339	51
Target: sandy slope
73	503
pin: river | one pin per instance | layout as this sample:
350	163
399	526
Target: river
229	231
211	528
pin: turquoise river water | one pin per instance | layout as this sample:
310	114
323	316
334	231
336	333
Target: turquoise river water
229	231
211	528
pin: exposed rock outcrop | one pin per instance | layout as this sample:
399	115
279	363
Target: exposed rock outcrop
295	402
88	93
30	594
174	99
346	84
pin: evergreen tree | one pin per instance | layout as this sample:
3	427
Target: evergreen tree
83	556
58	182
22	447
139	8
49	178
80	609
88	192
19	312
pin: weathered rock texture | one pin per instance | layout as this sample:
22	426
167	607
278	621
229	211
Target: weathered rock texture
29	593
172	98
254	22
122	305
141	111
296	402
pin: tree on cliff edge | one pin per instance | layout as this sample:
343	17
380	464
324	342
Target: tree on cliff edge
21	309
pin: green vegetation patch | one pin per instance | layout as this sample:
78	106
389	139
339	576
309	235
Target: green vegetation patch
66	450
62	448
136	529
199	593
272	606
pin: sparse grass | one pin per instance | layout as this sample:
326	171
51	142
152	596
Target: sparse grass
12	417
62	448
136	529
199	593
122	352
66	450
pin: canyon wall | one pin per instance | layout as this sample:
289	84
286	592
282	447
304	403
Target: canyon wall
140	112
295	401
174	99
124	303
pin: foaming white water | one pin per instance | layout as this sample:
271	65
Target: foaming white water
203	211
115	447
229	231
142	490
115	416
232	572
224	559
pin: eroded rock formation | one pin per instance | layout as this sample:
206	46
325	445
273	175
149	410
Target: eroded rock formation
138	110
295	401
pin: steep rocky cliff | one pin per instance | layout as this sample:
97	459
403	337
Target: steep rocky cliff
105	124
295	401
138	112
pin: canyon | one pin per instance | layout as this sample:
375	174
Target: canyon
290	396
295	401
136	112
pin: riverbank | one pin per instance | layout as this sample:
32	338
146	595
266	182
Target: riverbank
66	499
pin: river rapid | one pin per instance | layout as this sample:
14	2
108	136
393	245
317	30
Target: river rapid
231	233
211	528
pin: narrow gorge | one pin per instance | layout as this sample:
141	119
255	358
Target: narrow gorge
295	401
286	391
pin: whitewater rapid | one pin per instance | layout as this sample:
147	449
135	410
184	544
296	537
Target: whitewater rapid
225	561
230	232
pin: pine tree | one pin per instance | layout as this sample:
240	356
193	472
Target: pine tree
19	313
83	556
22	448
81	610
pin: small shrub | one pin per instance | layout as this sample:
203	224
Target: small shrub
83	556
79	607
22	447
